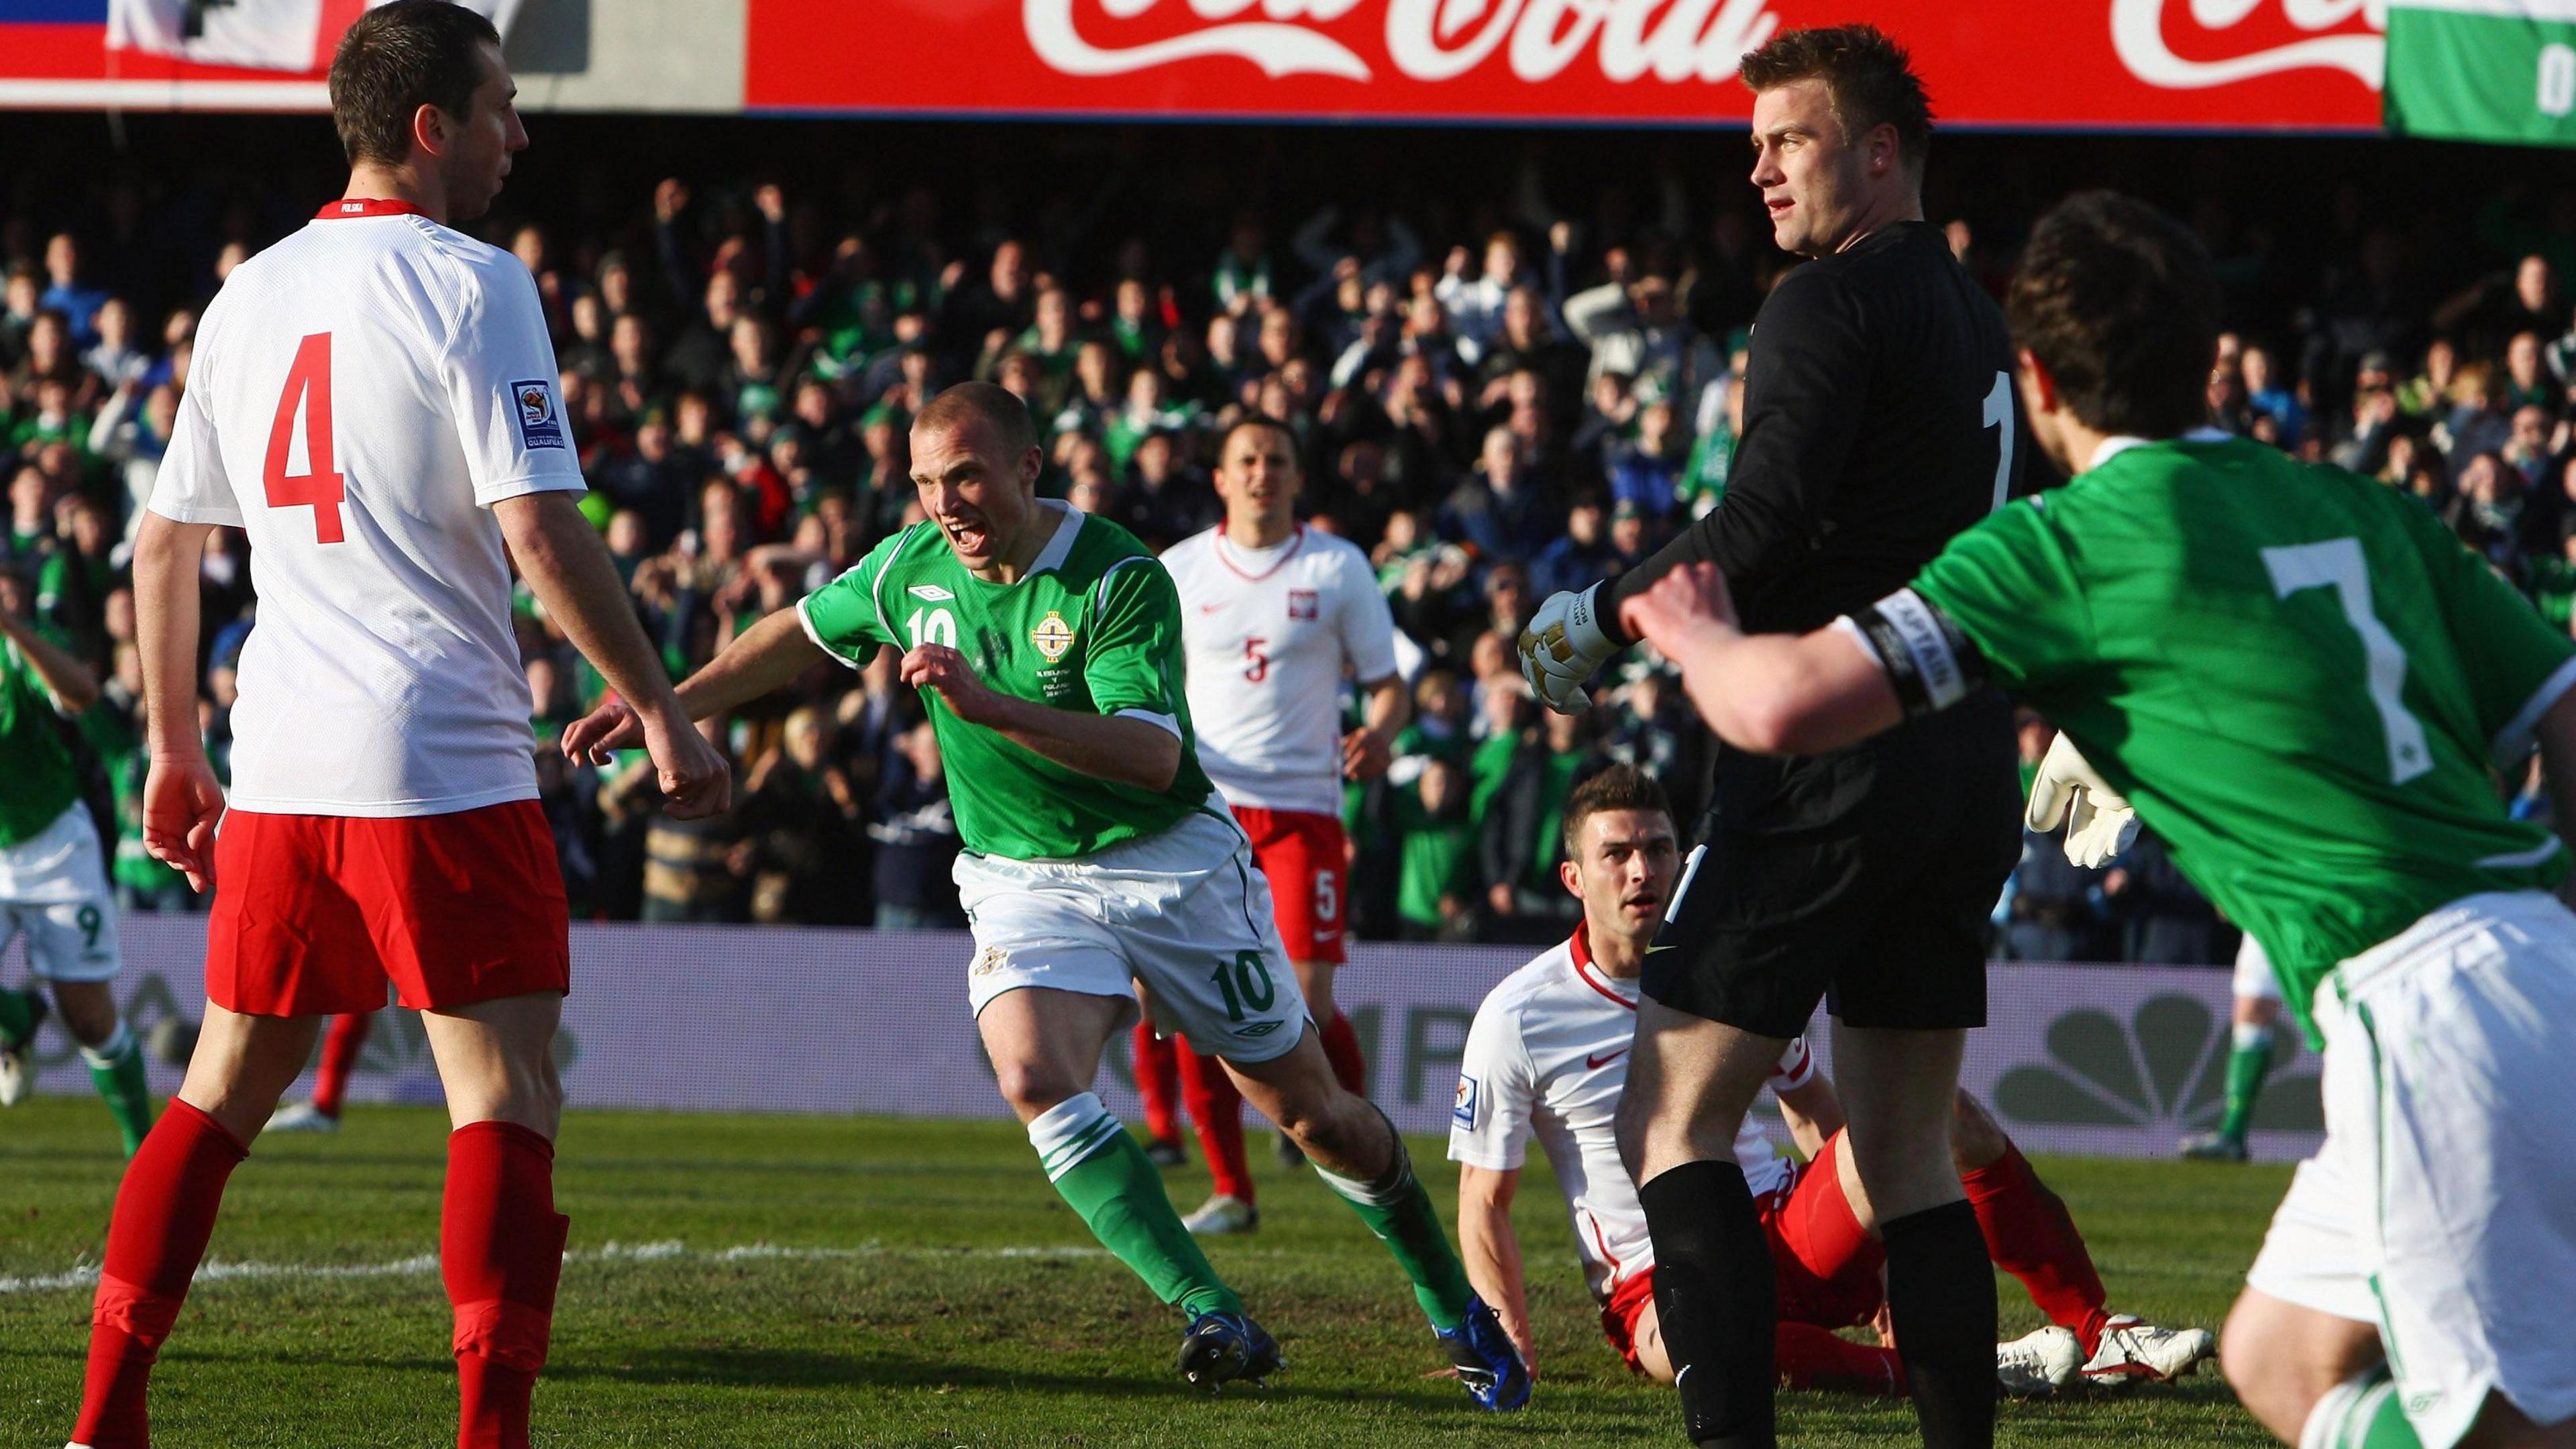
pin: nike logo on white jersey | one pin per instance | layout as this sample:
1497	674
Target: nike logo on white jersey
1212	608
1605	1059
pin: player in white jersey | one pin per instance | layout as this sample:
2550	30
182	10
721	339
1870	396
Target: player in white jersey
1274	616
373	402
1548	1057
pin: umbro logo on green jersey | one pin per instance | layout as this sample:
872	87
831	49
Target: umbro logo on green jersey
933	592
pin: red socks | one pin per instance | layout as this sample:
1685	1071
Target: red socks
165	1212
1342	1049
340	1047
1818	1358
1158	1082
1216	1110
500	1251
2031	1236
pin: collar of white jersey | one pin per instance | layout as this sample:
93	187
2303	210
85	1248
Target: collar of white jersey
1579	948
2112	447
349	207
1256	564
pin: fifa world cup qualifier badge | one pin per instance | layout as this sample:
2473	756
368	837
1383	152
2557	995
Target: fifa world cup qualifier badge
1464	1108
540	424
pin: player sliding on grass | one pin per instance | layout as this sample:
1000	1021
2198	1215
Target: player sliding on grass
1548	1056
1047	646
373	402
2306	686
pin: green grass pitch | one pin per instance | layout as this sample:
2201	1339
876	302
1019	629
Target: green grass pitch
776	1281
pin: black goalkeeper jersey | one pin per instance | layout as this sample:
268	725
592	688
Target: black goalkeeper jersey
1880	418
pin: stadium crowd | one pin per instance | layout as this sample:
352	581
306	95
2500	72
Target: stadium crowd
1495	397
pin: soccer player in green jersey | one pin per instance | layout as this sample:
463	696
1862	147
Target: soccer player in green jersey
2307	686
1047	646
53	882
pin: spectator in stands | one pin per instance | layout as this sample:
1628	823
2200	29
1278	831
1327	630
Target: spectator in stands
916	838
68	291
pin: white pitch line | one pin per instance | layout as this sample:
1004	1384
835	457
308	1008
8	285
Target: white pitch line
670	1250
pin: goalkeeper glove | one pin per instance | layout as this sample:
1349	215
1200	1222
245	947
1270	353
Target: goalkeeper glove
2099	823
1563	647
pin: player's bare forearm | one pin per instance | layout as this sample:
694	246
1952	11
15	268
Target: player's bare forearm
568	567
167	556
1489	1249
1130	751
763	658
1812	1113
2556	734
1390	708
1785	694
68	680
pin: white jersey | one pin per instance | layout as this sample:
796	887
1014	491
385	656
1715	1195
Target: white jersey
1548	1055
1270	633
363	393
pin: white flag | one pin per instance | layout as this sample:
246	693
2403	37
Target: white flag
258	34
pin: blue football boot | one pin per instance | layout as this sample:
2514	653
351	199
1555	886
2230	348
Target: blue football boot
1489	1363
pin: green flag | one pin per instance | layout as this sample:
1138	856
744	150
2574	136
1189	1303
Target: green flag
2483	70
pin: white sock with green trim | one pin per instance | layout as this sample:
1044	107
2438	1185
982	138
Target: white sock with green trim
2362	1412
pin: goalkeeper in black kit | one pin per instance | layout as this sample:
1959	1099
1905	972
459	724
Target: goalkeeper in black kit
1880	419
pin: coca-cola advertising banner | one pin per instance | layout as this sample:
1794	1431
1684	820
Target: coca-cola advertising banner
2311	65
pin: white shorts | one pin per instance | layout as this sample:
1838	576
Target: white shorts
2254	976
1185	912
2442	1207
54	888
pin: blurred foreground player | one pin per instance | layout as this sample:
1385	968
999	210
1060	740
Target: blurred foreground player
1548	1057
53	878
1879	420
1275	616
2307	686
1097	859
373	401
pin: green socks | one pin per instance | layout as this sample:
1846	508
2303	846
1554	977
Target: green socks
19	1011
2249	1061
116	1069
1101	1171
2360	1413
1399	1211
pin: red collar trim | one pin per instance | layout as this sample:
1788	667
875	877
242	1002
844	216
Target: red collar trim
349	208
1581	947
1224	555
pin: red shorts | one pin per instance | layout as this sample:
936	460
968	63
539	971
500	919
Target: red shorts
1825	1263
1303	857
1628	1303
314	913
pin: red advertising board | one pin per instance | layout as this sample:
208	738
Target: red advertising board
2161	64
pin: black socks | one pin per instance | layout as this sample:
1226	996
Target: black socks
1941	1299
1715	1299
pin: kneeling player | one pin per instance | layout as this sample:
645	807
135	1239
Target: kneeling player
53	886
1548	1054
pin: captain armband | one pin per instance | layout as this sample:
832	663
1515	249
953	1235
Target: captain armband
1932	664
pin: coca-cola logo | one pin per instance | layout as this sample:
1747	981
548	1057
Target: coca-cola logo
2138	33
2170	44
1426	40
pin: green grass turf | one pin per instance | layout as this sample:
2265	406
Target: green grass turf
922	1332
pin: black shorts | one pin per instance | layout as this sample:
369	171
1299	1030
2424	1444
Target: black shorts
1866	878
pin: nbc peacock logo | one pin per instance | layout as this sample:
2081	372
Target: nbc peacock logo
2164	1068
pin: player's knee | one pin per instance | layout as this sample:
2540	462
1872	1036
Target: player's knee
88	1009
1032	1088
1975	1138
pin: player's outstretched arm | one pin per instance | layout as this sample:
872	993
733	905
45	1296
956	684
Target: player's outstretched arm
68	680
1134	752
1774	694
569	568
1491	1250
182	800
762	658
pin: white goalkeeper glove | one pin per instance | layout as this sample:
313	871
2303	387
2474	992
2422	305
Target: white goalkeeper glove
2099	823
1563	647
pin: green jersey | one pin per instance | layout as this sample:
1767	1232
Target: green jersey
40	780
2301	680
1094	626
